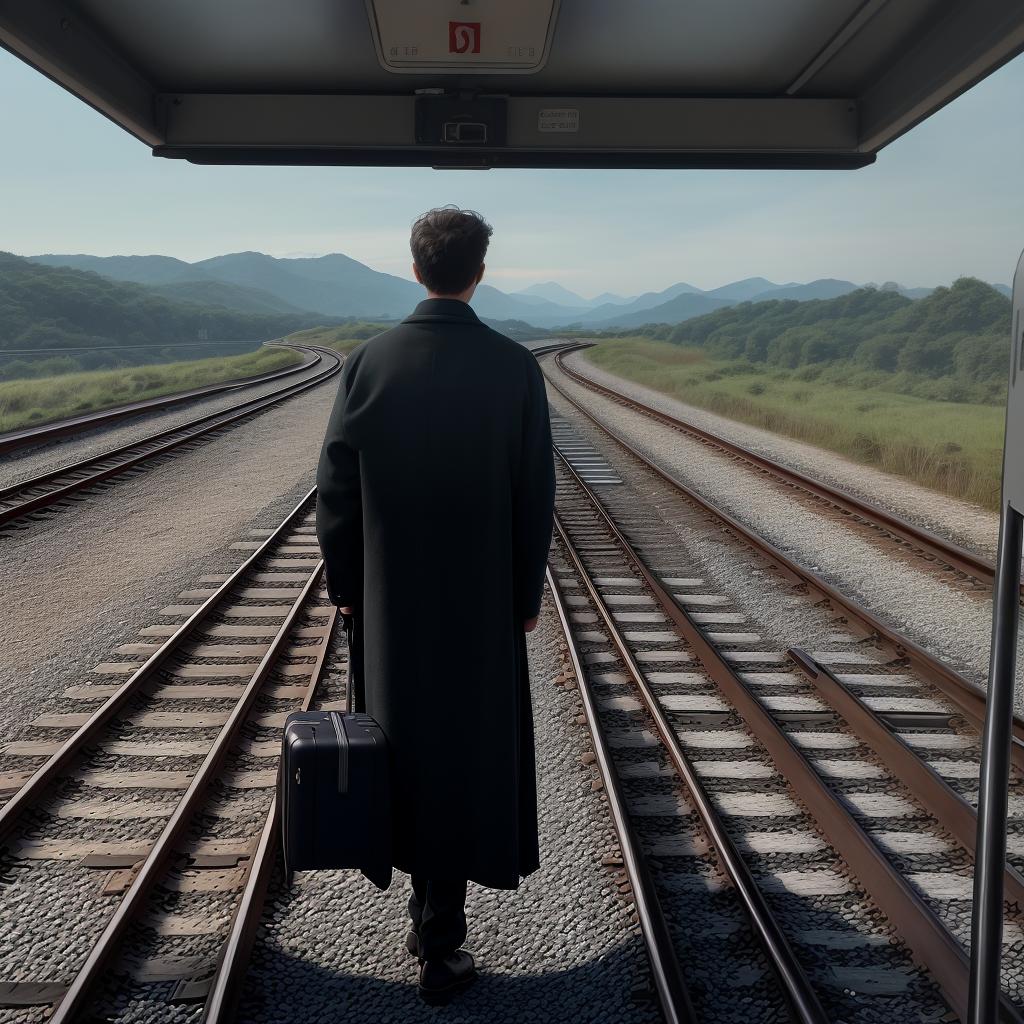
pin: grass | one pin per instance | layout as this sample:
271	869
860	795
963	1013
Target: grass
343	338
952	447
25	403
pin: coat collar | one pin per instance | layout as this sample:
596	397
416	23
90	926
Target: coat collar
442	309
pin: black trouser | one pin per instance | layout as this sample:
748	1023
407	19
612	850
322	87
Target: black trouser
438	912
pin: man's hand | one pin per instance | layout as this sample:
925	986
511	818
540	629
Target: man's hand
530	624
345	611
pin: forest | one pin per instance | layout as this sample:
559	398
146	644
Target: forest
951	345
57	307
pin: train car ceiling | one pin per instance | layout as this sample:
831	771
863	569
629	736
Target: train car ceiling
537	83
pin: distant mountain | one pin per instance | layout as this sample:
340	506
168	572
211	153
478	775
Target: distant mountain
1004	289
138	269
648	300
675	311
741	291
554	292
175	279
339	286
334	285
533	300
491	302
60	307
823	288
230	296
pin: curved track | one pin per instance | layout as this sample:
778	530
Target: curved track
967	697
698	735
789	724
46	432
920	540
44	491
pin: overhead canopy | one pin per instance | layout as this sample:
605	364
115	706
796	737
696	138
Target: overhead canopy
529	83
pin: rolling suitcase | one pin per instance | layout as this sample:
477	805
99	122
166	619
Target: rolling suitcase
334	791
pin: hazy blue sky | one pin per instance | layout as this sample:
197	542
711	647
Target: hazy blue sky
943	201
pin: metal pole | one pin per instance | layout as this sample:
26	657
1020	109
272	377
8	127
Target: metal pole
987	924
990	858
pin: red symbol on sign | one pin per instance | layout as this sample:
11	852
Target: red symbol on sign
463	36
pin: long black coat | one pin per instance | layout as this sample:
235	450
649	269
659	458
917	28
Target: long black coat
434	509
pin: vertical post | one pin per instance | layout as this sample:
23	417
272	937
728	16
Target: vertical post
987	922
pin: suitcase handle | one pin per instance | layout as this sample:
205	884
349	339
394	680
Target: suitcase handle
338	722
348	622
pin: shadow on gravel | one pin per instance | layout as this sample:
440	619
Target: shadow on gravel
597	991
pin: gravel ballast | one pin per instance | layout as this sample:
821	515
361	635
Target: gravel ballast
28	463
953	624
966	524
561	948
80	581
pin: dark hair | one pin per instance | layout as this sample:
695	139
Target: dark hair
448	246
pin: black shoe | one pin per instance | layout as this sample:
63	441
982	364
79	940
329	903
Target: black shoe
441	980
412	943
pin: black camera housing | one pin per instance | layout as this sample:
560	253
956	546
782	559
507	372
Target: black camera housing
458	121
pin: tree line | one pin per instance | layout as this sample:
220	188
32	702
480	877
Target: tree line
952	345
57	307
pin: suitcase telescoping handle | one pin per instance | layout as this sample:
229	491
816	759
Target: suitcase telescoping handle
348	621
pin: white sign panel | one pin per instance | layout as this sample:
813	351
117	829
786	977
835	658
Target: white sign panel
1013	453
462	37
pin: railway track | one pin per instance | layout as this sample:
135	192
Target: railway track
967	700
782	813
56	488
47	432
915	538
830	797
140	826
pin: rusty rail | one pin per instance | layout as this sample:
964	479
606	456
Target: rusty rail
98	468
937	797
968	697
928	939
75	1001
666	972
46	432
50	771
959	558
233	961
803	1002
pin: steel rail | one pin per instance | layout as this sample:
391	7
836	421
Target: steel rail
233	959
801	998
960	558
90	421
937	797
566	345
928	939
75	999
188	431
52	768
666	972
968	697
